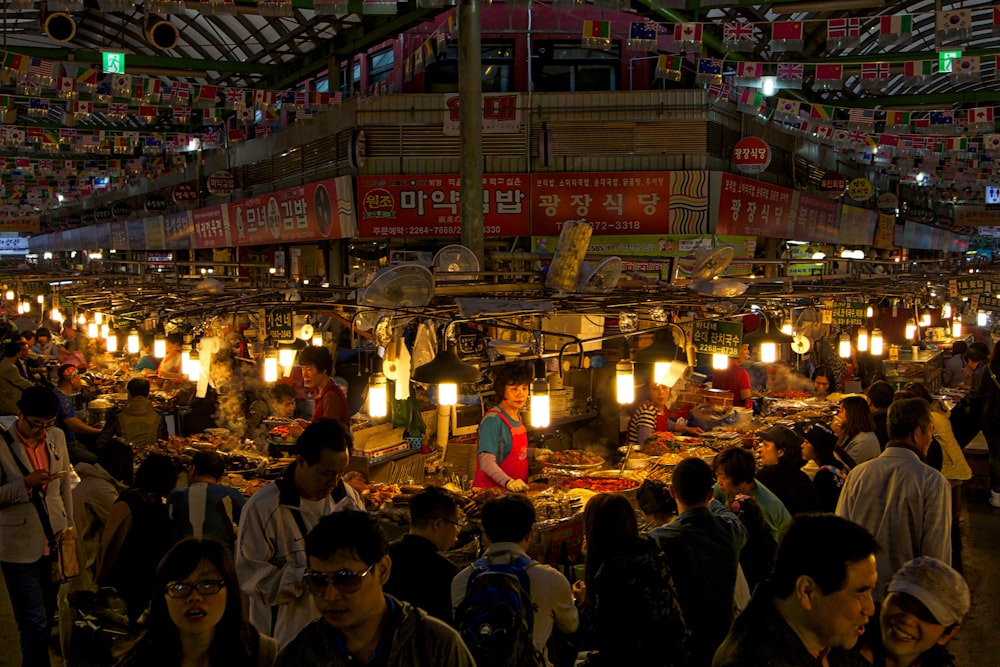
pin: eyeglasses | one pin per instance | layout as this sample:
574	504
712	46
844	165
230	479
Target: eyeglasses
182	589
345	581
461	523
39	426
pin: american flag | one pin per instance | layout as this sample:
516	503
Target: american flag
862	116
40	68
790	71
734	31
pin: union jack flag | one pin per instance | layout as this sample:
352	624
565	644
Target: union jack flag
734	31
856	136
790	71
234	97
118	109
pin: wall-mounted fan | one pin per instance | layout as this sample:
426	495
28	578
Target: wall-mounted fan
600	278
800	344
402	286
455	258
708	266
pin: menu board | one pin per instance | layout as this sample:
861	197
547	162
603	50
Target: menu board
853	313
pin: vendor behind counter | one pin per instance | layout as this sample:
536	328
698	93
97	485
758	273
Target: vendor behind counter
651	416
735	378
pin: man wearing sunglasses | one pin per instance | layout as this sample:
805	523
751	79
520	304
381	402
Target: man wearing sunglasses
34	464
270	546
421	575
348	566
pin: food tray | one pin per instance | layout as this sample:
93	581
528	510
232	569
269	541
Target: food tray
571	466
389	453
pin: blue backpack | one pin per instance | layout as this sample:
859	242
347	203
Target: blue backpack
496	616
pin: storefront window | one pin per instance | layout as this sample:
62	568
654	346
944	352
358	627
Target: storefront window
380	66
498	69
569	67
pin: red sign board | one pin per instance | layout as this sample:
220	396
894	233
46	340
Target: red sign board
430	206
815	219
221	183
613	203
754	208
211	227
311	212
184	193
751	155
832	184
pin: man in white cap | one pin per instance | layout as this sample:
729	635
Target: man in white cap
922	612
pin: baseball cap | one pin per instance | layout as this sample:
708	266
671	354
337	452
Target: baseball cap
784	437
936	585
820	435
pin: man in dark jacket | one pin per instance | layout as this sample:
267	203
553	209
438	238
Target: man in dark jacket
421	575
816	603
137	423
880	395
348	566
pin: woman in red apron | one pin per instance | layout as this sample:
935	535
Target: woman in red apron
651	417
503	439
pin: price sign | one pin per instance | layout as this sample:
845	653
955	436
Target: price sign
990	303
850	314
968	286
714	337
279	323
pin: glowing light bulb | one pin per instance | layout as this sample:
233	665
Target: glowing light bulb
862	339
40	299
447	393
625	382
768	352
105	330
286	357
956	327
132	342
111	344
99	318
844	349
92	330
911	329
876	342
317	340
9	295
378	399
946	311
720	362
159	347
270	368
870	313
540	413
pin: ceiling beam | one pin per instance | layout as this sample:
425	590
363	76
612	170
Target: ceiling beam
94	57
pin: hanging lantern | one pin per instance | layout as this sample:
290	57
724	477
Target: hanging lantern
317	340
271	368
956	326
446	371
540	412
40	299
378	399
625	381
132	342
194	369
925	318
111	343
946	311
862	339
98	318
159	347
92	330
845	346
982	318
105	330
9	295
870	313
56	315
876	342
81	319
185	359
720	362
911	329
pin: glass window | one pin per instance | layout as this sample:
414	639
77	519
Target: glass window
350	78
568	67
497	62
380	66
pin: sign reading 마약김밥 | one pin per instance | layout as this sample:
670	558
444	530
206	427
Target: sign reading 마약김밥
854	313
501	113
430	206
612	203
221	183
754	208
715	337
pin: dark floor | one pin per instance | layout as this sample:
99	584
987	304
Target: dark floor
977	645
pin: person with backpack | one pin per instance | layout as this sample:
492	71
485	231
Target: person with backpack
627	591
506	604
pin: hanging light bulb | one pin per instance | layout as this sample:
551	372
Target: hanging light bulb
132	342
786	327
540	413
447	393
317	339
9	295
876	342
286	357
720	362
982	318
159	347
956	326
81	319
92	330
271	368
946	311
845	346
911	329
870	313
111	343
862	339
925	318
26	306
40	299
625	381
378	399
20	309
660	370
768	352
105	330
194	369
99	317
185	359
56	315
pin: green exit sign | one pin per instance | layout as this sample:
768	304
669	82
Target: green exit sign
114	62
945	58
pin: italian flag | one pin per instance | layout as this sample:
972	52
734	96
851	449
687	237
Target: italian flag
890	25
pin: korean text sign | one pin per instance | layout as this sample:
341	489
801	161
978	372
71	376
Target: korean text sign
613	203
715	337
755	208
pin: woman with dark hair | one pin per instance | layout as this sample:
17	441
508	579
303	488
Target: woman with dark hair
627	590
656	504
44	347
503	450
856	429
781	470
820	446
137	535
196	616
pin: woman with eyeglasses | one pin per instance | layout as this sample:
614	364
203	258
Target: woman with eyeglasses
196	615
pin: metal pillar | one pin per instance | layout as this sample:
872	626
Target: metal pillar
470	121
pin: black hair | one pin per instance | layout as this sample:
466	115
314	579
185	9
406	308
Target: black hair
157	474
359	532
42	331
137	387
880	394
432	503
653	497
821	547
11	349
821	371
235	640
609	524
208	463
176	338
905	416
916	390
511	374
977	352
736	463
38	401
958	348
317	356
692	481
323	434
146	339
281	391
116	457
508	518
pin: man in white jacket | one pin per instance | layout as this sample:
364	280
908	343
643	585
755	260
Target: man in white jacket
270	548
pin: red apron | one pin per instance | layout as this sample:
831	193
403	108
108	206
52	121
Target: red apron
662	422
516	463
